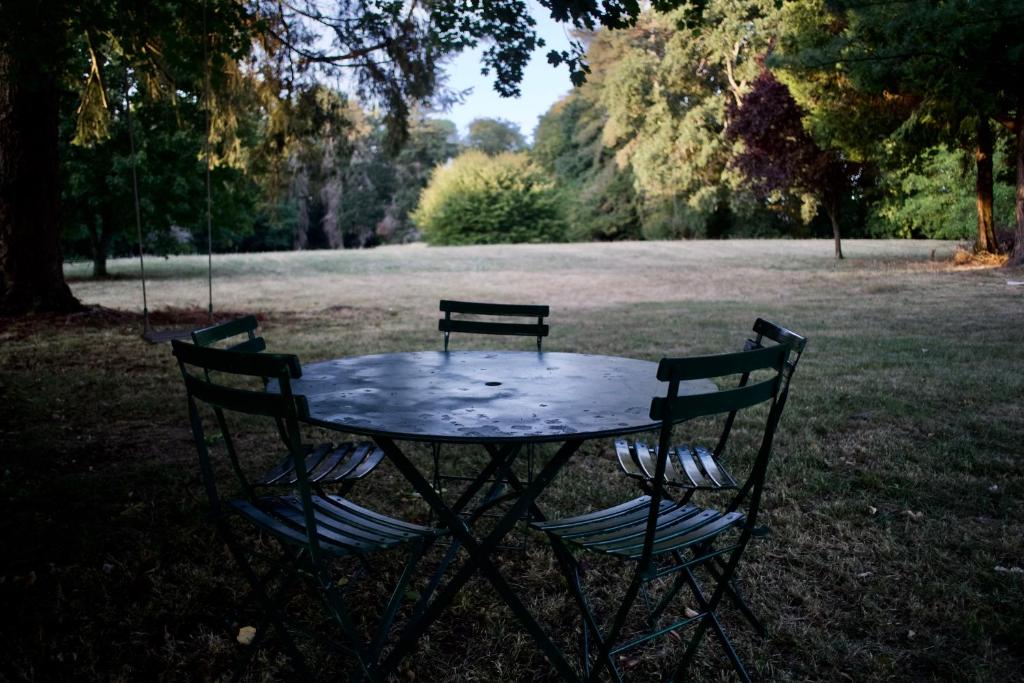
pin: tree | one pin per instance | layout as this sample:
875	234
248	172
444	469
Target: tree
37	51
97	179
494	136
391	50
481	199
598	194
930	198
779	156
943	70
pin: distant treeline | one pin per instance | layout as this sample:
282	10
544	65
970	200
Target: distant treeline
751	122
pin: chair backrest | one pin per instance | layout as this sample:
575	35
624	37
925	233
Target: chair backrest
203	368
777	334
245	325
537	329
764	369
764	329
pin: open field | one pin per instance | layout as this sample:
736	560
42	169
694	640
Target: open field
896	497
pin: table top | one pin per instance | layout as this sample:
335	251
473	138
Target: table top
485	396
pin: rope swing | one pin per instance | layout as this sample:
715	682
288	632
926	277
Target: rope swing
149	334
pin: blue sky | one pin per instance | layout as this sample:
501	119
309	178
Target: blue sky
542	83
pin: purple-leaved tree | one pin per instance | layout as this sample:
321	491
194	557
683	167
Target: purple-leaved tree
778	154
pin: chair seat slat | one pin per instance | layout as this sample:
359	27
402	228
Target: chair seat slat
685	455
622	508
643	457
617	524
711	468
369	457
626	461
284	531
389	531
676	527
626	536
349	507
327	470
338	534
699	535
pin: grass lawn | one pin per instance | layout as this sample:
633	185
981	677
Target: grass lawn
896	498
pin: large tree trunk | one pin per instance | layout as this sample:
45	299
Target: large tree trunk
31	266
1017	258
986	241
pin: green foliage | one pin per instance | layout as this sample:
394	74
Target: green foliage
935	198
97	192
639	149
494	136
598	196
480	199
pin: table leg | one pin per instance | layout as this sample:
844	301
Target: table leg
480	552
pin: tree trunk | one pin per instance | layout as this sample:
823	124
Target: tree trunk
31	266
99	240
832	209
986	242
1017	258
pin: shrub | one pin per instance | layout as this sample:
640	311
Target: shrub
480	199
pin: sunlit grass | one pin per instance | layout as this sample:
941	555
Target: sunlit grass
896	493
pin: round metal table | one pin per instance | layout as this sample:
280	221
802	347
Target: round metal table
500	400
484	396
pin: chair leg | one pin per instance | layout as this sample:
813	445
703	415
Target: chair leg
732	592
396	598
716	626
571	571
270	609
336	606
710	618
605	657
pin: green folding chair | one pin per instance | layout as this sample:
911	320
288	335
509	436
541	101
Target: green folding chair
338	465
314	531
488	319
448	324
695	467
667	540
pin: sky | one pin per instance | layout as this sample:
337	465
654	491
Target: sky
541	87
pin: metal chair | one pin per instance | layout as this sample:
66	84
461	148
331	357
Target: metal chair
447	325
339	465
669	539
312	530
694	467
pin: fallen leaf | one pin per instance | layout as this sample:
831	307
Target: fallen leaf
690	613
246	635
872	510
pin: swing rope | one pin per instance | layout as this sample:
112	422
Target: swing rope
135	195
209	133
147	333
